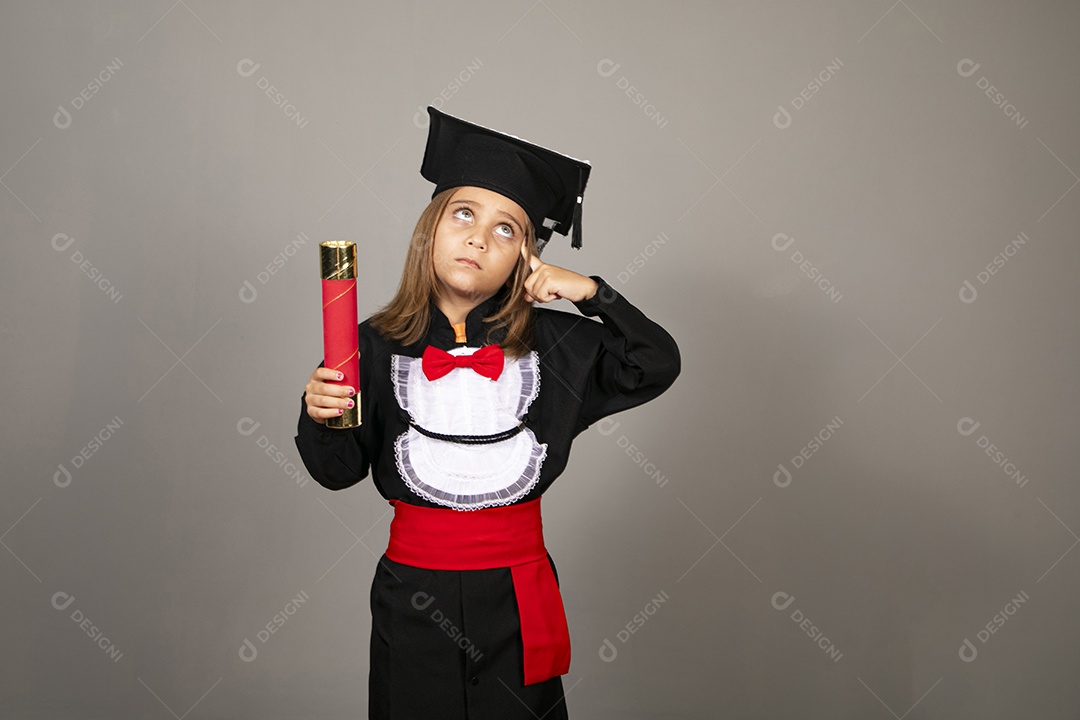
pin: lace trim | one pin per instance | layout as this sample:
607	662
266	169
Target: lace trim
399	375
530	382
465	502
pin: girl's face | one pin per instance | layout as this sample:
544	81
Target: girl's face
477	243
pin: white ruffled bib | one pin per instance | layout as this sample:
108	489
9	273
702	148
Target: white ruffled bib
463	402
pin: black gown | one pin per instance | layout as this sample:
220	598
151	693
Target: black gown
447	644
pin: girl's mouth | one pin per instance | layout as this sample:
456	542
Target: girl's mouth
470	263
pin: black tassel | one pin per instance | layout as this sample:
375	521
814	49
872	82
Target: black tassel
576	238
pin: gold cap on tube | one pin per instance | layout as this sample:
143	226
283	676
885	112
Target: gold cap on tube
337	260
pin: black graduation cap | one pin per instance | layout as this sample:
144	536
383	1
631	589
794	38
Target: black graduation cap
547	185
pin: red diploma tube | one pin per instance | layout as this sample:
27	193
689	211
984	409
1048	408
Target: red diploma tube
337	262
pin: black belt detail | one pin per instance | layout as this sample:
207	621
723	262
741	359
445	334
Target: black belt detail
468	439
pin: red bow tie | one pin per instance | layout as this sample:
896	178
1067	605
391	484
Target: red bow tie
488	361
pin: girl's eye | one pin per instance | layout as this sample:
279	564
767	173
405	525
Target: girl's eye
506	231
467	211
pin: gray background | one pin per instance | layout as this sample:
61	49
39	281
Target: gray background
860	132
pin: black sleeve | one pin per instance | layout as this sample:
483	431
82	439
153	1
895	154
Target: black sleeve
335	457
636	360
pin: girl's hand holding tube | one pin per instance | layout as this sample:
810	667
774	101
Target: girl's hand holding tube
325	399
550	282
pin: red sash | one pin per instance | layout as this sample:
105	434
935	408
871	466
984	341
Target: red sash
506	536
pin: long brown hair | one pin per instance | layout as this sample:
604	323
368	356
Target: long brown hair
407	316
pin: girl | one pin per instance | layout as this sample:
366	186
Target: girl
470	400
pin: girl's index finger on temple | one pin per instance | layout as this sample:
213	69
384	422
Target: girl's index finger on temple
534	261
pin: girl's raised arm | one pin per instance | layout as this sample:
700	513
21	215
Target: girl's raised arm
635	358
